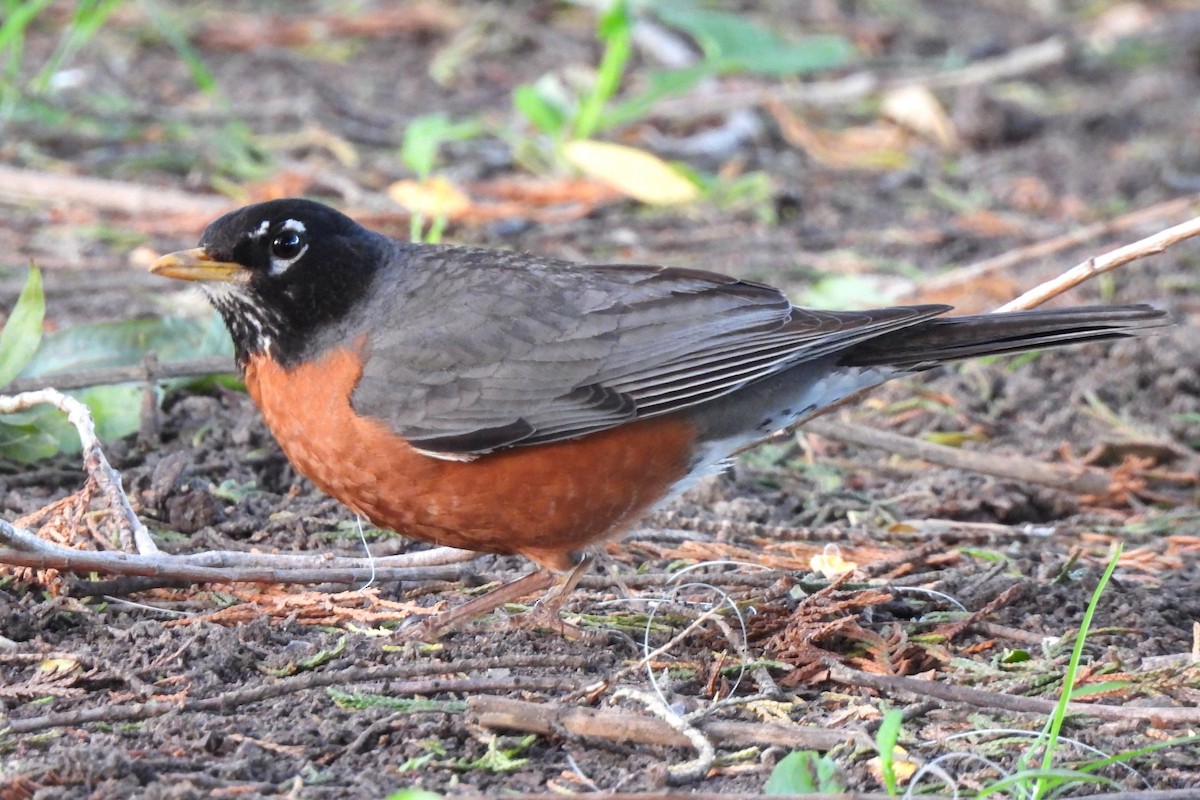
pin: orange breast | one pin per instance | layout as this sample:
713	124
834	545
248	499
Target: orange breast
544	502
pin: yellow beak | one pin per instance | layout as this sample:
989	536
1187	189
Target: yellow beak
197	265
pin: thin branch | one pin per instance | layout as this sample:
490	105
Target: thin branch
1039	250
134	535
141	373
1080	480
225	702
130	199
546	718
853	88
1174	715
172	568
1098	265
143	558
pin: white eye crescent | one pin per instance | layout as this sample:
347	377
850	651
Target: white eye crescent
288	246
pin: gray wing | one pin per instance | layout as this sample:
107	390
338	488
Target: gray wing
483	349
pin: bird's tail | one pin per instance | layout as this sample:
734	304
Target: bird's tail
933	341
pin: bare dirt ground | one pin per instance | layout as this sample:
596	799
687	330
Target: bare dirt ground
257	690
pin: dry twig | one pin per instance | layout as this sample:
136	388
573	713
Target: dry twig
121	197
1080	480
142	556
854	88
1048	247
545	718
225	702
134	536
1098	265
1161	716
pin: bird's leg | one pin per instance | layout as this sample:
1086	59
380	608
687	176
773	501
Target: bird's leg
439	625
544	614
547	612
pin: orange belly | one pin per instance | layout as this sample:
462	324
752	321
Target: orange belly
545	502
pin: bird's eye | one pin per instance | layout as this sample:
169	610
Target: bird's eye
287	245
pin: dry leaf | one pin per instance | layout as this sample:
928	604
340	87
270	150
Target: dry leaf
432	197
873	147
915	108
634	172
1119	22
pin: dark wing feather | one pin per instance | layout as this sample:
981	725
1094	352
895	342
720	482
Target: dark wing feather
481	350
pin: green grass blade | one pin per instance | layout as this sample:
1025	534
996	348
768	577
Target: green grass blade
886	739
616	29
23	332
1060	710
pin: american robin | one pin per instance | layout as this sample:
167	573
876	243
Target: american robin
507	403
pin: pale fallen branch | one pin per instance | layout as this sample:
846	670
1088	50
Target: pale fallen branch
853	88
546	718
1079	480
176	568
1048	247
1098	265
1159	715
142	557
120	197
134	536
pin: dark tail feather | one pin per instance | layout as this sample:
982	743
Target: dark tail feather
933	341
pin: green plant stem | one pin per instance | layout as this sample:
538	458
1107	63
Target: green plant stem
1060	711
617	32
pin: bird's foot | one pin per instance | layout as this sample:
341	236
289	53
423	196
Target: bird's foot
435	627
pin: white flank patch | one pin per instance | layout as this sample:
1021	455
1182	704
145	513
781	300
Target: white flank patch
715	456
440	456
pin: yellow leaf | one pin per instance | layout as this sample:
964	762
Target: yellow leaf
432	197
830	562
633	172
901	767
55	667
953	438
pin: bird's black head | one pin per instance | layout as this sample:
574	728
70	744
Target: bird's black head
283	274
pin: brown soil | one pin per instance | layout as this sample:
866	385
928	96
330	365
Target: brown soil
1098	135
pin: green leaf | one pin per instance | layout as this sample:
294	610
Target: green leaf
805	772
737	44
23	331
1015	657
660	84
26	442
414	794
886	739
425	135
126	343
116	409
544	114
